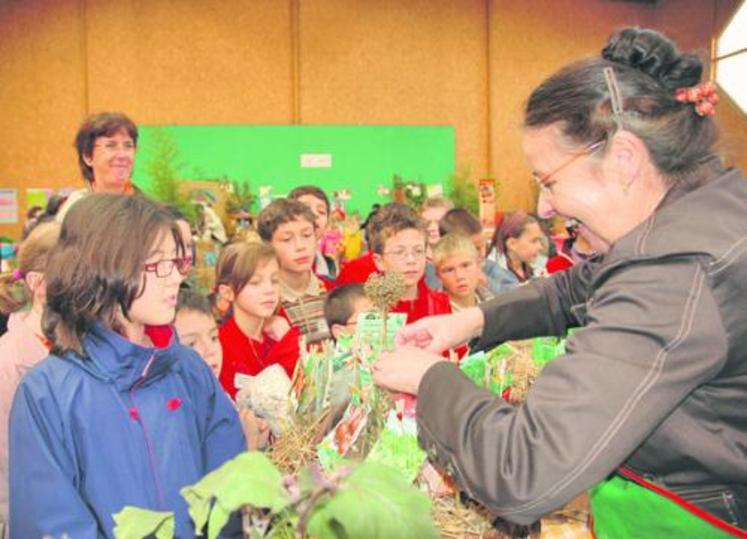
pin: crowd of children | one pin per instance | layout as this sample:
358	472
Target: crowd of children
98	292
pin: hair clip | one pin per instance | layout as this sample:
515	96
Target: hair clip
17	274
703	95
615	95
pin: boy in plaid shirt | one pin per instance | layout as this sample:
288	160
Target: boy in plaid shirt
289	226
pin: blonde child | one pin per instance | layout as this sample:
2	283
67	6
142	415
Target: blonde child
457	263
22	295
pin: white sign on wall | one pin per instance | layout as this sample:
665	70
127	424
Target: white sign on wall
316	160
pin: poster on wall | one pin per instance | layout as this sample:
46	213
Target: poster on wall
487	203
38	197
8	206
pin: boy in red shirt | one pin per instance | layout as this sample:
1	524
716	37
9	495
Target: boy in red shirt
398	242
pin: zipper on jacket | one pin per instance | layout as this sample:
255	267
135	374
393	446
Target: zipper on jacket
151	453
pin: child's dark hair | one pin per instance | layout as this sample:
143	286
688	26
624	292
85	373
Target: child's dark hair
512	226
390	220
340	303
279	212
312	190
96	270
459	221
189	300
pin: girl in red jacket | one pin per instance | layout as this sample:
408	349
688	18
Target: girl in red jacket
254	337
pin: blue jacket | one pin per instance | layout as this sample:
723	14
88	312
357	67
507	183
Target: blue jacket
128	426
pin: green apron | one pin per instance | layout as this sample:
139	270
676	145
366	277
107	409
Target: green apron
627	506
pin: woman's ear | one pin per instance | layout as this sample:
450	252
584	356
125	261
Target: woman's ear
511	244
626	158
226	293
88	159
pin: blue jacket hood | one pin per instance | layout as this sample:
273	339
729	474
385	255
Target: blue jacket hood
112	358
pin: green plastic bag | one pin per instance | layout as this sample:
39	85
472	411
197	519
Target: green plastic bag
623	509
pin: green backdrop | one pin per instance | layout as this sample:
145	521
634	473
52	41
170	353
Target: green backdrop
362	157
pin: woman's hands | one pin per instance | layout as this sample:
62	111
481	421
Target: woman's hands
439	333
403	369
418	347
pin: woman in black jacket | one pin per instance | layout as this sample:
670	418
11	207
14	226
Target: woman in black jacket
648	408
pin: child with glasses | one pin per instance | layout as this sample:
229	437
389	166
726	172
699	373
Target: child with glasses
342	308
289	227
254	337
121	413
398	241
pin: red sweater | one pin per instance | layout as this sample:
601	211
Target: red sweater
358	270
242	355
428	303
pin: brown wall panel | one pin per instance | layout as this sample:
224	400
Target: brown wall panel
467	63
184	62
528	42
41	88
393	62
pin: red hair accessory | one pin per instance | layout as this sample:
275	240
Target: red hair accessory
703	95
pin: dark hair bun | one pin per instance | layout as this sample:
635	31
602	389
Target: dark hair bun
655	55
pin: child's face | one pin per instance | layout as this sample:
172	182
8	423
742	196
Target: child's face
156	304
295	245
527	247
261	294
432	216
319	208
199	331
460	274
360	304
404	253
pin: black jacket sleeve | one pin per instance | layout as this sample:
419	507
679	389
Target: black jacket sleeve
653	334
541	307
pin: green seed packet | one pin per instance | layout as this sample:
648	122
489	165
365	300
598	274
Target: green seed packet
397	447
369	328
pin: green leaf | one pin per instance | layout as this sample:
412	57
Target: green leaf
218	518
135	523
248	479
374	502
